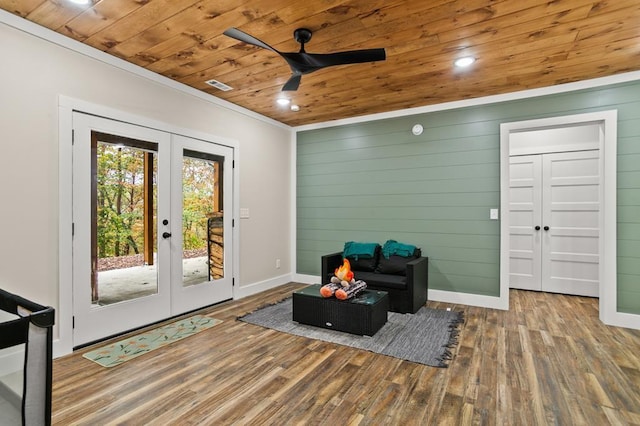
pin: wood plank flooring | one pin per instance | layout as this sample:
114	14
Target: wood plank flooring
548	360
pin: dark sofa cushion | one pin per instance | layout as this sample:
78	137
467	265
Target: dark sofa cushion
361	256
381	281
396	265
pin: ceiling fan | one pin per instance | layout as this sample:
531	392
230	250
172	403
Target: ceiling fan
304	63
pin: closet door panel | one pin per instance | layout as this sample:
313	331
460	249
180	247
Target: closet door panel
570	217
524	214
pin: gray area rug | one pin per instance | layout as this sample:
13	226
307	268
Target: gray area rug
425	337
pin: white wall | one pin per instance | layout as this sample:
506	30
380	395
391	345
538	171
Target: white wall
34	73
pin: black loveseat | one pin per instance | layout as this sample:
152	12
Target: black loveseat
404	278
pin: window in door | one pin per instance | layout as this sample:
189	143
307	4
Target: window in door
124	195
202	218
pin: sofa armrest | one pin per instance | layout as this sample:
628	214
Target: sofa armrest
329	264
418	281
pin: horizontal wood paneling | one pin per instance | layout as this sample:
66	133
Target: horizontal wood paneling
407	187
404	200
629	197
476	226
394	213
465	282
376	181
628	183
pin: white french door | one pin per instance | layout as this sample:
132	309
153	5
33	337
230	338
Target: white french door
554	230
150	236
200	161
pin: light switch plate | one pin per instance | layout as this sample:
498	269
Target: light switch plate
493	214
244	213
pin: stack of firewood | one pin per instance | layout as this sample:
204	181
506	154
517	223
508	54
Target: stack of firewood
216	246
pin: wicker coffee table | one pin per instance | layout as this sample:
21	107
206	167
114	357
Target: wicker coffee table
363	314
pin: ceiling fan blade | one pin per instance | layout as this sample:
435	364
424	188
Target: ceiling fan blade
348	57
293	83
246	38
304	63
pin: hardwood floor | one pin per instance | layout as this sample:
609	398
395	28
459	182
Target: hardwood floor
548	360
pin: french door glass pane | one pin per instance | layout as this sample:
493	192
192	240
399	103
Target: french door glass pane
202	231
124	199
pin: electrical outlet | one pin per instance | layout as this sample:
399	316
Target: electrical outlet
493	214
277	263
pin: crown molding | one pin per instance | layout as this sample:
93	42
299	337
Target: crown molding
523	94
51	36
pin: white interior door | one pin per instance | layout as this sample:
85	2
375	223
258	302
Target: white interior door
570	217
108	169
202	193
525	214
554	233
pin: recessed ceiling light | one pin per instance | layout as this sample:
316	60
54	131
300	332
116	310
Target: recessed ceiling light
464	62
295	108
283	101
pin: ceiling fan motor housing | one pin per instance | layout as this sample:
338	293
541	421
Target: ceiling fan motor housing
302	35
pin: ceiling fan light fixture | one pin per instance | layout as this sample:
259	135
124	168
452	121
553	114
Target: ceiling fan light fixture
283	101
80	1
464	61
295	108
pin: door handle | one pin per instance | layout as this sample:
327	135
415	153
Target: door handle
546	228
166	235
537	228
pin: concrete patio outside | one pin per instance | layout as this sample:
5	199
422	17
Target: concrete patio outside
118	285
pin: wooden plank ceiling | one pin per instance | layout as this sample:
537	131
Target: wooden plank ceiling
519	44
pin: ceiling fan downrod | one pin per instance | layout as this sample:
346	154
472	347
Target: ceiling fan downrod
302	36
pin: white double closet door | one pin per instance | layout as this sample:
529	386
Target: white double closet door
554	222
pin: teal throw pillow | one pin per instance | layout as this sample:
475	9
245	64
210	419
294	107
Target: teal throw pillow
394	248
356	250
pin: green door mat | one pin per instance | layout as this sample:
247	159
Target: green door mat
124	350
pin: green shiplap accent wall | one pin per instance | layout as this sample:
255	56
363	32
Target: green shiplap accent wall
376	181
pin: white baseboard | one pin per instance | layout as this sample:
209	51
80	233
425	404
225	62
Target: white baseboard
250	289
468	299
622	319
306	279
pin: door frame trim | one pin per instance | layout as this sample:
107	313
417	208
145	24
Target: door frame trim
63	345
608	224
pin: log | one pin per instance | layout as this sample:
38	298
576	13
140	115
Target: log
215	246
352	290
218	239
216	249
329	290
